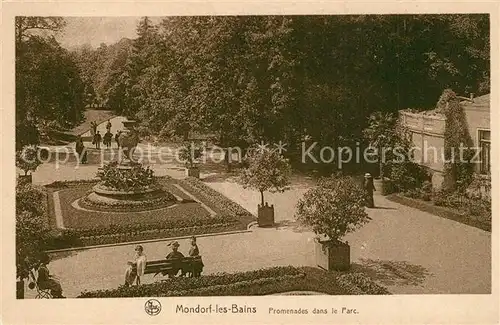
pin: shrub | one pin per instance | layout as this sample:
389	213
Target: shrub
27	159
207	193
31	227
182	284
334	208
407	175
189	153
136	177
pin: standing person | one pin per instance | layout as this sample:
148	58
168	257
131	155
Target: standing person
195	252
369	188
108	126
80	150
97	140
47	281
117	137
108	136
94	127
136	267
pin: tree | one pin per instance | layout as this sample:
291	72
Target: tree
27	159
189	153
267	171
334	208
381	134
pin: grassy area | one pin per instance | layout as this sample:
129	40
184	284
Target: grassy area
187	217
252	283
75	218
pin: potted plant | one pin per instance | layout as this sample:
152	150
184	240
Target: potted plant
27	160
381	134
266	170
189	154
334	208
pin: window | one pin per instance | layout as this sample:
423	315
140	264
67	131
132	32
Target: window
484	145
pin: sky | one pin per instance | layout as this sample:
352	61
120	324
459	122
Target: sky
96	30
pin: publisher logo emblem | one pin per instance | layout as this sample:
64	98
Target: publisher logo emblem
152	307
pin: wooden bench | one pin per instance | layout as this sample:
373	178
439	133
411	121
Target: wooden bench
187	265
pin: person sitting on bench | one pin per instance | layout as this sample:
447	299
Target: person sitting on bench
174	255
46	281
136	268
194	252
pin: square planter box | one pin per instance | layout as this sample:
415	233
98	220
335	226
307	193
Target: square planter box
332	255
265	215
193	172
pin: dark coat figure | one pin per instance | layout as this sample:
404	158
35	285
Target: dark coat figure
108	136
174	255
369	188
80	150
97	140
117	137
108	126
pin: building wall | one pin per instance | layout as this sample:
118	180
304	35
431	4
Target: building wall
427	132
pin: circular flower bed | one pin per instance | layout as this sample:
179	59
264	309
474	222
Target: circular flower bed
140	202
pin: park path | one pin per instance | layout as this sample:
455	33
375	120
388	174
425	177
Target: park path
407	250
404	249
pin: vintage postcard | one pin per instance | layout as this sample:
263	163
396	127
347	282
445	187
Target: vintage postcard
276	163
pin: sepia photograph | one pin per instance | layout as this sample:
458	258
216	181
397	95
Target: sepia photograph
252	155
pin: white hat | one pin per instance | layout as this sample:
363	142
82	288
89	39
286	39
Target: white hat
368	175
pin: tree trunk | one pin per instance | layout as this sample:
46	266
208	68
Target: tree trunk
381	164
262	197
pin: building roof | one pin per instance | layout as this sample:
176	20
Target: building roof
481	101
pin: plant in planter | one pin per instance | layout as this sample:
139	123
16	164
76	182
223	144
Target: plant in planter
333	209
189	154
27	160
266	170
381	134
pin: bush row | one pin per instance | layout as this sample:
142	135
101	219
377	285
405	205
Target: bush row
207	193
108	235
67	240
182	284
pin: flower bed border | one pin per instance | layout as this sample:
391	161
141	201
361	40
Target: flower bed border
443	212
273	280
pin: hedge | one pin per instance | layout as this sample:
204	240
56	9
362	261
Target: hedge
206	193
259	282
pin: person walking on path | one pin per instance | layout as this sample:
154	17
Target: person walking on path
108	126
81	151
369	188
136	267
97	140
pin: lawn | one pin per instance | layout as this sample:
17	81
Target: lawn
84	228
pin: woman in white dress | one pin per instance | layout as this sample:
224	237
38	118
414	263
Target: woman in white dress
136	267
